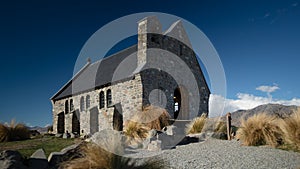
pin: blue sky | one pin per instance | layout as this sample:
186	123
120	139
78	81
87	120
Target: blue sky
258	43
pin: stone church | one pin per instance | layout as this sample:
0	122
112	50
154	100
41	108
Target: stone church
161	69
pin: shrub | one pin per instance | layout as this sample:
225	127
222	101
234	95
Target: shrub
50	129
135	131
153	117
291	129
260	129
93	156
220	127
14	132
3	133
196	125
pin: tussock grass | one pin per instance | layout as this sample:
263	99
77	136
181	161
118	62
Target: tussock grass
135	132
291	129
93	156
153	117
220	127
4	136
196	125
260	129
13	132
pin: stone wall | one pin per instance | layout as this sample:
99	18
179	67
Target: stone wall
128	93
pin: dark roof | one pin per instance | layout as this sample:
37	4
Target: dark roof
101	73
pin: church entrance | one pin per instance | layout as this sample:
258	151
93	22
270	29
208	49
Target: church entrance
61	123
177	102
75	123
117	120
94	117
181	103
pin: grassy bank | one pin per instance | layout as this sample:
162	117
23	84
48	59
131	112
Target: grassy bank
27	147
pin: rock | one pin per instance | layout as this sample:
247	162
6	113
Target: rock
39	154
55	158
110	140
187	140
152	133
201	136
11	159
155	146
58	135
169	141
72	135
66	135
152	136
173	130
146	142
71	147
38	160
221	136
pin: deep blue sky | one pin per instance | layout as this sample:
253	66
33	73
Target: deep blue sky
258	43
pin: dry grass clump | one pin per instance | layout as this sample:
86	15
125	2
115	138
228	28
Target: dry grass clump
13	132
260	129
93	156
220	127
3	133
196	125
135	131
291	129
153	117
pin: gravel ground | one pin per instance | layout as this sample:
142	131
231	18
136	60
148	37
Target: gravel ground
214	153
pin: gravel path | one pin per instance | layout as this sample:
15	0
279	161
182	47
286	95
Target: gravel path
214	153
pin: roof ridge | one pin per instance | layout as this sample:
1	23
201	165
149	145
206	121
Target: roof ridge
73	77
114	54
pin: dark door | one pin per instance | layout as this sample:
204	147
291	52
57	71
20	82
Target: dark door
117	120
61	123
94	117
75	123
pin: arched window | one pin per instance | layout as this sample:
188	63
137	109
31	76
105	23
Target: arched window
88	101
101	100
108	97
180	50
177	102
82	103
66	107
71	105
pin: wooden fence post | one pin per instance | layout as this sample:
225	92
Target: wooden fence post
228	117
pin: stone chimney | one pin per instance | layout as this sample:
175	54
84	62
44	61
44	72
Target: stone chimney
146	27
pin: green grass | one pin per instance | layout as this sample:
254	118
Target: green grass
27	147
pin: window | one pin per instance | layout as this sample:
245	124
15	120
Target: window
180	50
88	101
66	107
71	105
101	100
82	103
108	97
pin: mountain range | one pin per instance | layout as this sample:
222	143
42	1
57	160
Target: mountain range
270	109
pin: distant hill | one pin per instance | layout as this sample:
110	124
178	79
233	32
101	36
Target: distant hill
39	129
272	109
